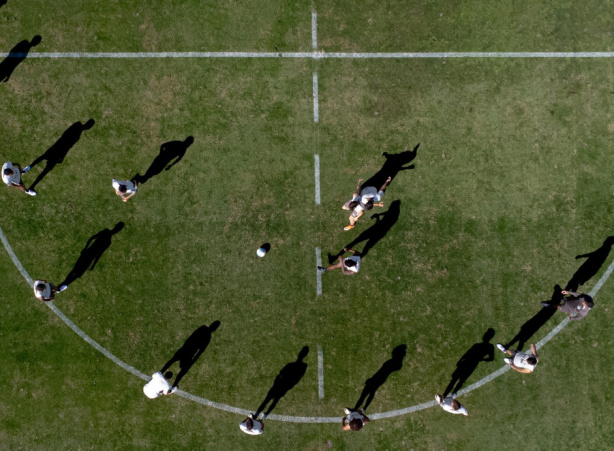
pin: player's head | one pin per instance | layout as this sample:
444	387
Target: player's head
455	404
122	189
8	171
369	205
168	375
249	424
349	263
588	303
353	205
40	287
356	424
532	360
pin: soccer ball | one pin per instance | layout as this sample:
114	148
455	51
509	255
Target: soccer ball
261	252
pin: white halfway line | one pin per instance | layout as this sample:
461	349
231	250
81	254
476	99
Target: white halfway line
316	106
314	30
316	168
320	373
286	418
313	55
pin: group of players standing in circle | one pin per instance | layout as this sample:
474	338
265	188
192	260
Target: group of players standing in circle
576	305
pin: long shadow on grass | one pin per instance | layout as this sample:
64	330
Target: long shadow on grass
483	351
533	324
288	377
94	248
383	223
170	154
191	350
395	163
16	56
395	363
57	152
594	261
2	3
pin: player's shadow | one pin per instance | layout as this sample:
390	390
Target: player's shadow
94	248
2	3
170	154
395	163
395	363
57	152
191	350
536	322
483	351
383	223
594	261
288	377
16	56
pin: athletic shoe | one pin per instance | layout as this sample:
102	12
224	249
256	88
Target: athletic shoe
438	399
545	304
62	288
501	347
174	389
348	227
264	415
508	361
31	192
26	169
453	395
347	411
322	270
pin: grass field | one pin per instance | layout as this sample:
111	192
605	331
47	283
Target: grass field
511	182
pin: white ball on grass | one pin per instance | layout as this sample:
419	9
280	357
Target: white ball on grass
261	252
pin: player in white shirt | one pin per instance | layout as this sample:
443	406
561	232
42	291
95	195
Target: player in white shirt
159	385
44	291
449	404
251	426
521	361
364	199
124	189
349	265
354	420
11	176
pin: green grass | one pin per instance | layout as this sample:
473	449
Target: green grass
511	183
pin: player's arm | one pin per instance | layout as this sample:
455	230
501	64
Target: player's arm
534	351
358	187
125	198
365	418
344	425
385	184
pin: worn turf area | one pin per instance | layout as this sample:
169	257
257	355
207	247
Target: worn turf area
510	181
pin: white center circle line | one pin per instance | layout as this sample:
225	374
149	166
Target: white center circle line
285	418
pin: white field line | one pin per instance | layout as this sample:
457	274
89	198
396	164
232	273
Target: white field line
316	169
316	102
313	55
318	275
286	418
320	372
314	30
